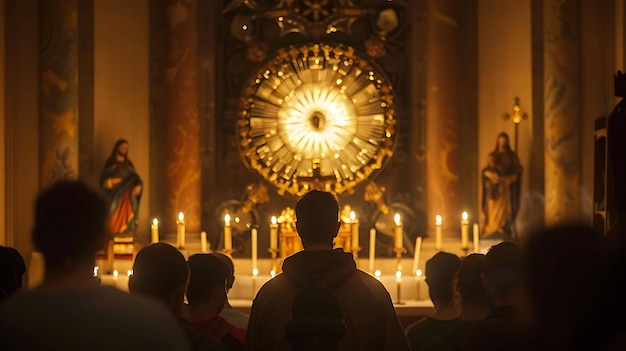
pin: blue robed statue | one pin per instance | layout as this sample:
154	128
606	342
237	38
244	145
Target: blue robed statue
123	187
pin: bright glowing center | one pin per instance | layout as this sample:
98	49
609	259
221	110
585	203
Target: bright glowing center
317	120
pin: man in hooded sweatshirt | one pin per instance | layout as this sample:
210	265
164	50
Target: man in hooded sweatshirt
366	307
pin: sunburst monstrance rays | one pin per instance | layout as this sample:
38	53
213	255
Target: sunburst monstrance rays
317	104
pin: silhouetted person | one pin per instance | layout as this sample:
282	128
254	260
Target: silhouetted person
230	314
441	270
474	304
508	324
70	310
316	322
565	275
12	269
206	295
161	272
372	323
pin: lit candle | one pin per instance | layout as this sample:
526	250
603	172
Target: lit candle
418	277
228	234
438	223
274	234
398	231
416	254
180	233
115	274
155	230
354	226
95	271
476	244
203	246
129	272
377	274
254	246
465	231
372	249
399	285
272	273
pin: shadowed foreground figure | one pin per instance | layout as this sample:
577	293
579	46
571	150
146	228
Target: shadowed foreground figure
440	276
161	272
12	269
366	307
70	310
230	314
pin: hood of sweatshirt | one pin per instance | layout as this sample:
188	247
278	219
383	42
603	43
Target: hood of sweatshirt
334	266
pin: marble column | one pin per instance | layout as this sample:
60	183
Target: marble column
442	126
562	111
58	91
183	153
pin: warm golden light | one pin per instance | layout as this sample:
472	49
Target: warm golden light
129	272
438	220
398	274
115	273
397	219
378	273
418	272
155	221
272	273
464	216
95	271
227	219
352	216
255	272
181	216
274	220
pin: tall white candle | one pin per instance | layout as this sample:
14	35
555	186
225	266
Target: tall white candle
372	249
203	246
228	234
254	245
438	224
180	233
274	234
354	226
416	256
476	243
155	231
398	231
464	230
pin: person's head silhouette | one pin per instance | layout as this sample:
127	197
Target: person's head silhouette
317	219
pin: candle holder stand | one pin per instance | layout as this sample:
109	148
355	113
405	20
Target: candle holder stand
399	251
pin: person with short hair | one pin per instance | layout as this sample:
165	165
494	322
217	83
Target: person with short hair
206	295
161	272
230	314
440	272
70	310
366	307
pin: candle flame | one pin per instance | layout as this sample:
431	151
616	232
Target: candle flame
255	272
398	274
115	273
377	273
155	221
181	216
397	219
273	273
227	219
95	271
464	216
273	219
418	273
129	272
352	216
438	220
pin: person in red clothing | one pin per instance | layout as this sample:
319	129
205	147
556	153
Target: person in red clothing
206	295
